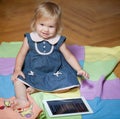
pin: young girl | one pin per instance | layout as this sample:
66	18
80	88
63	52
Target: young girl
44	63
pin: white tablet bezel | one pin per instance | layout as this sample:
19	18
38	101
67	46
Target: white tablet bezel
68	114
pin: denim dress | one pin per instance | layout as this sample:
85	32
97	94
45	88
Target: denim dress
45	68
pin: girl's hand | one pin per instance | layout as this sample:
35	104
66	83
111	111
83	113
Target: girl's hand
16	74
83	73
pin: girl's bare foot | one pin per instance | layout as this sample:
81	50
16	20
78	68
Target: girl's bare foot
19	104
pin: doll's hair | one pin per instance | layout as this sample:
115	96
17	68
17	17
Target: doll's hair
49	10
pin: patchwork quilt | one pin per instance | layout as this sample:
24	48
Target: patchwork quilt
101	90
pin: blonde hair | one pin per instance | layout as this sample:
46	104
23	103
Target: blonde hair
48	9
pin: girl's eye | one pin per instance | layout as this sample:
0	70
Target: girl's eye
51	26
42	24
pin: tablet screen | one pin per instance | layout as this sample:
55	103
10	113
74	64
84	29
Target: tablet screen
64	107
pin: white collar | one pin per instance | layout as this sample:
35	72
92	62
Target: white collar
35	37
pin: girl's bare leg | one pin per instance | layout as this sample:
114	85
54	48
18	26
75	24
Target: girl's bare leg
21	100
30	90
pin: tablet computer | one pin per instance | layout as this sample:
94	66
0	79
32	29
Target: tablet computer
67	106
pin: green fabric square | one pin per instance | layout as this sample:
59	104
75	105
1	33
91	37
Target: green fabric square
9	49
97	69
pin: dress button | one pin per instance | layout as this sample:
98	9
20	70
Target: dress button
43	42
44	46
44	51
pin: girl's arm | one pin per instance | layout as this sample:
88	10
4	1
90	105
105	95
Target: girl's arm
20	60
70	58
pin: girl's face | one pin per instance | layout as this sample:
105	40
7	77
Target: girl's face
46	27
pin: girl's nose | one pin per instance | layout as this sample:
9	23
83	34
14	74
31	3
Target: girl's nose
46	28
